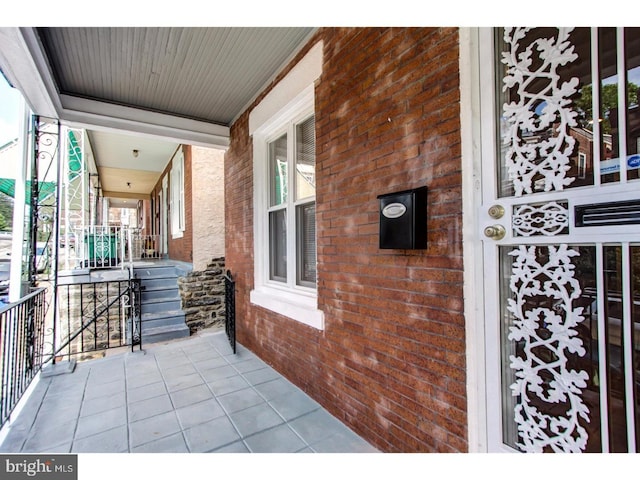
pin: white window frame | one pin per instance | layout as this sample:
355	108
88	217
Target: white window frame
290	102
177	195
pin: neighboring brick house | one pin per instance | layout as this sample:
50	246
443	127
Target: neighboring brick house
194	238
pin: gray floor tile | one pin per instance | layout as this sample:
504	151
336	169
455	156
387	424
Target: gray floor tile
100	422
236	447
179	371
102	404
275	388
280	439
191	395
224	386
261	375
249	365
294	404
110	441
103	389
53	415
209	436
170	406
255	419
316	426
343	442
140	380
240	400
218	373
182	382
192	415
149	407
153	428
42	438
172	444
144	392
204	355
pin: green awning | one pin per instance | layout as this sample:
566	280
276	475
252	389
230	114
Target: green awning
8	187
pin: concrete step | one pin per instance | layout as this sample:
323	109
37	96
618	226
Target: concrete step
160	305
164	333
159	283
154	272
160	319
150	295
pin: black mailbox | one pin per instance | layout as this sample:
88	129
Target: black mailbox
403	219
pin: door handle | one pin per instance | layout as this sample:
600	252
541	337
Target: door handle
495	232
496	211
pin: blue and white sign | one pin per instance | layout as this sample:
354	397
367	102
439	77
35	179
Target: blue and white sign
613	165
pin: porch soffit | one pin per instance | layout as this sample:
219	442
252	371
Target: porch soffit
144	88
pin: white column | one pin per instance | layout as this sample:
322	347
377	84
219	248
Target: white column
19	207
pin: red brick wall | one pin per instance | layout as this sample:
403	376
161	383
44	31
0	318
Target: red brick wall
180	249
391	360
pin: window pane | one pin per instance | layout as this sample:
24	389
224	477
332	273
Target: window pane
632	58
278	245
534	123
306	159
278	171
609	132
544	316
306	231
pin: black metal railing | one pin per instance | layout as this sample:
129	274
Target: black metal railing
97	316
22	337
230	309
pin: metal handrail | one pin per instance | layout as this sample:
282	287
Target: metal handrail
230	309
22	338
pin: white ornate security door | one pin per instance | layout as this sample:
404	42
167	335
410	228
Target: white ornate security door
560	223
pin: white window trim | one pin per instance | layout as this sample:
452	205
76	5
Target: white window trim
177	195
291	100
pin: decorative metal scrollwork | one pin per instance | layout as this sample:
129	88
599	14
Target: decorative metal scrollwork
546	219
539	116
549	393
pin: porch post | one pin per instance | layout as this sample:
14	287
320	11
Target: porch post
19	207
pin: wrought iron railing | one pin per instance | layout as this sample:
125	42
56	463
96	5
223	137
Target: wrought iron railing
22	337
96	316
144	246
230	309
106	246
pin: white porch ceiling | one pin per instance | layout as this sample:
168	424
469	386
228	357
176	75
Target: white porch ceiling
145	88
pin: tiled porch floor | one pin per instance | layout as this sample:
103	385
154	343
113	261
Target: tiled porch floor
190	395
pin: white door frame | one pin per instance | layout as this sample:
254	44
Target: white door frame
472	245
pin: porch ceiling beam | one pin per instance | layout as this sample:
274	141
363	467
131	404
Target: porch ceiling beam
83	112
131	195
24	63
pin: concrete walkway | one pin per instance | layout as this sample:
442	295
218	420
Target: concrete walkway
190	395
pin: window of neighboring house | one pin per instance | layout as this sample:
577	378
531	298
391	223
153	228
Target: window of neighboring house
284	155
176	177
582	165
